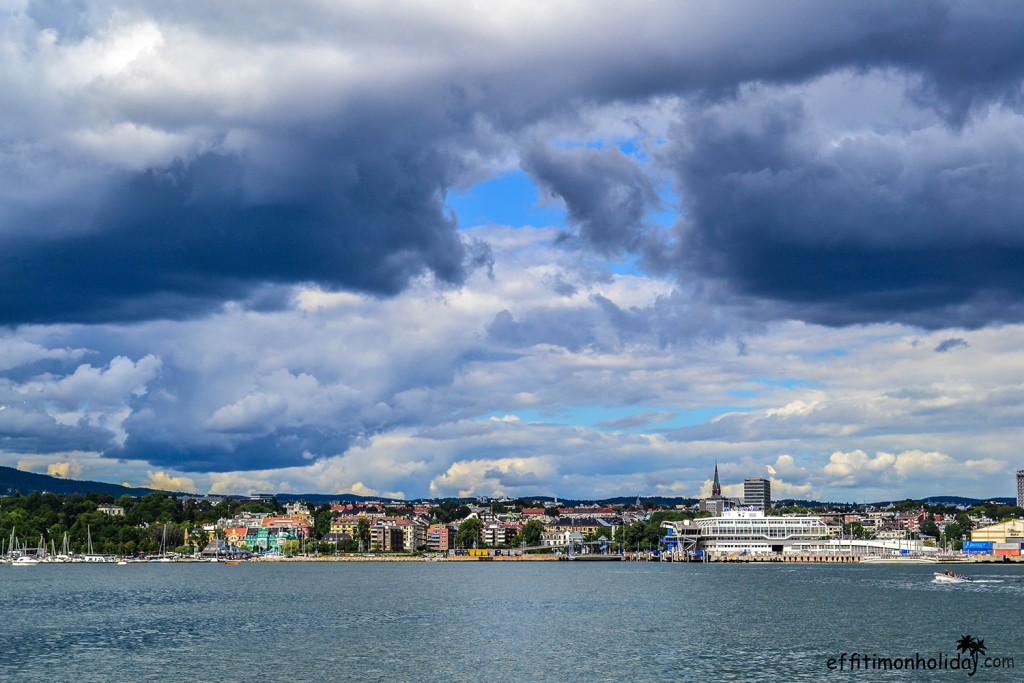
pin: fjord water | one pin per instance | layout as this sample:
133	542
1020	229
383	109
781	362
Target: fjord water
509	621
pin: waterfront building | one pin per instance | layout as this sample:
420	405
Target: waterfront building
387	539
416	534
1011	531
748	530
235	536
346	524
413	532
554	539
440	537
581	525
498	533
1020	488
743	531
740	532
757	492
349	524
296	527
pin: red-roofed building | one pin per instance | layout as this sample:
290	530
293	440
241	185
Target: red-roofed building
296	527
235	536
589	511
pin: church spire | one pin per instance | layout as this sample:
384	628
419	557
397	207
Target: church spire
716	487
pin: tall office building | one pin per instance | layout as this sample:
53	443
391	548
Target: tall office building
757	492
1020	488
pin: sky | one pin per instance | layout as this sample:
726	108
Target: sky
585	249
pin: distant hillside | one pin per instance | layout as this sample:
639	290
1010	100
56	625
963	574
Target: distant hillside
957	500
322	498
665	501
16	481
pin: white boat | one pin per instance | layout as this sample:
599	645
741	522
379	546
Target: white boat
941	577
25	561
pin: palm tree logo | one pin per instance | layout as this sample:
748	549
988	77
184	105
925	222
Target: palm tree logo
971	646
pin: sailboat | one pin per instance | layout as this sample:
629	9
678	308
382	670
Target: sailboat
65	550
90	556
163	550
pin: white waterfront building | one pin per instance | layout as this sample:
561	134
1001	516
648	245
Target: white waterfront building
747	531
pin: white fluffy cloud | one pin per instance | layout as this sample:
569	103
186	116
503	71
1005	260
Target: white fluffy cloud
165	482
500	476
65	470
858	469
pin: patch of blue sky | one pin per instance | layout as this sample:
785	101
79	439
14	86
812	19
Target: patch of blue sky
744	393
827	353
579	144
510	199
636	419
784	382
671	206
630	265
771	383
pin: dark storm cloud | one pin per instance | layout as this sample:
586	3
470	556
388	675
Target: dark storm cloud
171	244
606	193
949	344
31	431
287	447
921	228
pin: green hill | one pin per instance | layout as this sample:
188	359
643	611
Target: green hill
16	481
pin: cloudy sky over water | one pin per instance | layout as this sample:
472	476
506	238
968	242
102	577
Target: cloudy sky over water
465	248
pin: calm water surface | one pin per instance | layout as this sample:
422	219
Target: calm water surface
469	621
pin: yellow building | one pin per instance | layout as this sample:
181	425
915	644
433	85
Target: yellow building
348	524
1004	532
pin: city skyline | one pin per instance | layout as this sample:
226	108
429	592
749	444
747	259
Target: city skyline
423	251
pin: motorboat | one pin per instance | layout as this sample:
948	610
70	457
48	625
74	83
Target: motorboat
949	577
25	561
